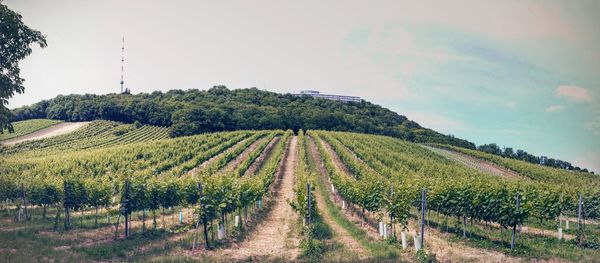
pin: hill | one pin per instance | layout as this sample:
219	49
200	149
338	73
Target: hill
220	109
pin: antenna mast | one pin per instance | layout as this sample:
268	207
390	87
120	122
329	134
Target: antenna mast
122	62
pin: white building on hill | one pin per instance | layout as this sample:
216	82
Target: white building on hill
316	94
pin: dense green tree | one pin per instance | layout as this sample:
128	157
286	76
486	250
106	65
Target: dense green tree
15	41
490	148
217	109
509	152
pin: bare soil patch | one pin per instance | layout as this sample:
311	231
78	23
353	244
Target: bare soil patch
7	250
573	220
58	129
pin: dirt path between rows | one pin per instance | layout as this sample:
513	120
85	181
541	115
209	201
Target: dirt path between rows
341	233
242	156
198	168
58	129
261	158
271	238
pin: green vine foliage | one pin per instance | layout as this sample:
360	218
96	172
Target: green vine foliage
377	164
303	177
161	174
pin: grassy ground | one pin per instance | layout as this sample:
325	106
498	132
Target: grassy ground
381	250
35	240
552	225
528	245
333	251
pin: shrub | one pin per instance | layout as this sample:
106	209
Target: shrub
121	130
423	256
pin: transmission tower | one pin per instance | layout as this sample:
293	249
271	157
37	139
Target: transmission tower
126	90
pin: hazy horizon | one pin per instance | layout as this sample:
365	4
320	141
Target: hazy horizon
523	74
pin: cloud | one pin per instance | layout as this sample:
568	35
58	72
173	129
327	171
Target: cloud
554	108
363	77
593	126
436	121
574	93
397	48
511	104
519	132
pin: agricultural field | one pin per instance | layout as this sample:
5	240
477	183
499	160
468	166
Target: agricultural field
467	206
95	135
122	192
26	127
401	132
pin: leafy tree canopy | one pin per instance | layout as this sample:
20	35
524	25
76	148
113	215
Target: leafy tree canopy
15	41
218	109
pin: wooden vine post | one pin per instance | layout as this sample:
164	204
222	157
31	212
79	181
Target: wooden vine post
67	204
195	244
423	208
391	213
514	230
579	208
204	221
24	201
580	236
127	207
309	208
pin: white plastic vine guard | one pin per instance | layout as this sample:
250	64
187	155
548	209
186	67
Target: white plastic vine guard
417	241
385	231
560	234
221	232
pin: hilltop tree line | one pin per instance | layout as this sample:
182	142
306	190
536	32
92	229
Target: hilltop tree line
219	109
509	152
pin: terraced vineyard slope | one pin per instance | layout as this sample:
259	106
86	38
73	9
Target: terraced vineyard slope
384	177
26	127
96	134
121	192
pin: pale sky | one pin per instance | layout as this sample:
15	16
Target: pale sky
519	73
